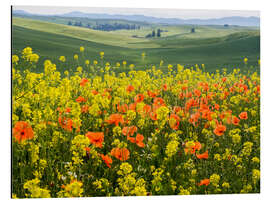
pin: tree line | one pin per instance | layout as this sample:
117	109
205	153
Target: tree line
155	34
106	26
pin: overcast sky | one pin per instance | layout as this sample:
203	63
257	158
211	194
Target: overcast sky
163	13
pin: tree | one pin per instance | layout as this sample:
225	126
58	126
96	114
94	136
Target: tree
192	30
153	33
69	23
158	33
111	26
226	25
78	24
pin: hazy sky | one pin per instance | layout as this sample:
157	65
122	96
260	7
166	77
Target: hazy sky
164	13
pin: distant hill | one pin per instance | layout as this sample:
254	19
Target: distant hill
21	12
234	20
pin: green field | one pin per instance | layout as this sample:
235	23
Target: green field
214	46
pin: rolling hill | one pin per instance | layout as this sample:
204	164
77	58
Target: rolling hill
225	48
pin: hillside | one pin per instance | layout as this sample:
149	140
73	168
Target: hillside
212	46
114	39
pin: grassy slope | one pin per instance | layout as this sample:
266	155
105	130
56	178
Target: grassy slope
51	46
84	21
227	51
183	31
114	39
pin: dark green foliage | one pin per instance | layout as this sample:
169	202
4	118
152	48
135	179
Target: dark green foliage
153	33
158	33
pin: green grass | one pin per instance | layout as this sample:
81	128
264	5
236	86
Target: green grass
114	39
52	46
183	31
84	21
214	46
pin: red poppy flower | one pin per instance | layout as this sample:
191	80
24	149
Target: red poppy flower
130	88
22	131
68	110
84	108
216	106
258	89
107	159
197	92
159	101
132	106
174	121
80	99
115	119
129	131
165	87
120	153
194	118
96	138
83	81
153	116
235	120
243	116
138	140
184	88
206	114
204	182
65	123
222	115
138	98
151	94
181	95
192	149
220	129
189	94
122	108
94	92
147	109
176	109
203	155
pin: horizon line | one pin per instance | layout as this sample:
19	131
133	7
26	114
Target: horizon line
186	14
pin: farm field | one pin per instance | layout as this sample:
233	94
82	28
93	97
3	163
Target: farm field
124	112
92	132
226	50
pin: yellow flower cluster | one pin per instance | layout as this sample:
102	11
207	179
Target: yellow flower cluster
214	179
156	182
29	56
94	131
35	191
172	148
62	58
128	185
79	143
74	189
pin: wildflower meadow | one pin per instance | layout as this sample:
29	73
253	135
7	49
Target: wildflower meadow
93	130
